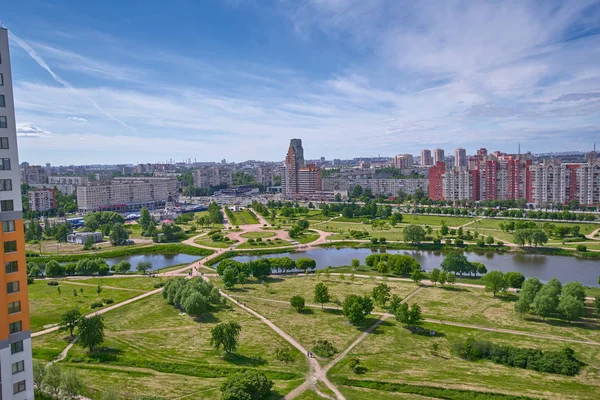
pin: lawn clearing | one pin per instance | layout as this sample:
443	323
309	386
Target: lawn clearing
206	241
395	355
46	305
255	235
144	283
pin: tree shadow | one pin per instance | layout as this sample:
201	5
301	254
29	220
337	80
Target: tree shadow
207	317
307	311
508	298
105	354
360	370
563	324
332	311
369	322
239	359
454	288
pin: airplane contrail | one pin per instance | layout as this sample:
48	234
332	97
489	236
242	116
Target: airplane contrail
36	57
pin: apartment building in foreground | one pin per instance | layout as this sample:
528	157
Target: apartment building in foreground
16	373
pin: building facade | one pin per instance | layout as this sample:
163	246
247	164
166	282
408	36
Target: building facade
125	194
298	179
377	186
33	174
403	161
213	176
41	200
438	156
16	372
460	158
426	159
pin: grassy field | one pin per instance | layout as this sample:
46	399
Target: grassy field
47	305
435	220
264	244
585	228
475	306
395	355
208	242
142	283
151	336
307	237
254	235
243	218
205	214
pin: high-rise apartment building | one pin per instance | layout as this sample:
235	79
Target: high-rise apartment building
298	178
426	159
460	158
16	373
403	161
41	200
438	155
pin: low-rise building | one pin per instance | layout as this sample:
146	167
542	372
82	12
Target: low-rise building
41	200
83	237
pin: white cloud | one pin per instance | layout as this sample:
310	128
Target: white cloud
78	119
31	131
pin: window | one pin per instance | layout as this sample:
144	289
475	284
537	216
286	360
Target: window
11	267
3	140
18	387
19	366
12	287
5	185
8	226
5	163
10	247
3	124
1	80
16	347
14	307
2	101
15	327
7	205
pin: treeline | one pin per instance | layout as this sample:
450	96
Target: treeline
561	362
261	209
234	272
87	266
350	210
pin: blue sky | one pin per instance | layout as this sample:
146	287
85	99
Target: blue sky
145	81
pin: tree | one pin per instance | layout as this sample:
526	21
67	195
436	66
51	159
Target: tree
118	234
408	316
195	304
229	277
443	278
414	234
70	384
571	307
225	334
69	321
122	267
435	275
247	385
321	294
456	263
381	294
39	372
305	264
91	332
417	276
394	303
355	263
52	380
489	240
356	308
522	306
298	303
514	279
451	279
146	220
494	282
543	305
574	288
144	267
98	289
53	268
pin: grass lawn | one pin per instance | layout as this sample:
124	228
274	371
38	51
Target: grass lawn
395	355
585	228
591	245
307	237
47	305
206	241
144	283
264	244
475	306
254	235
243	218
436	220
47	347
152	335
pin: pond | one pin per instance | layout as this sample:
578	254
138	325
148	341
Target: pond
544	267
158	260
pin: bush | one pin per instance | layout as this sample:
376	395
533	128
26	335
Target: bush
582	248
324	348
108	301
30	280
284	354
298	303
514	279
97	304
103	270
52	283
560	362
246	385
500	243
459	242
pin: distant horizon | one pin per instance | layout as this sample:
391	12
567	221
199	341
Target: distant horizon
352	79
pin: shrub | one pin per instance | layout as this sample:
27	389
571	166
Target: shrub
458	242
246	385
284	354
103	270
298	303
108	301
582	248
97	304
561	362
500	243
52	283
324	348
30	280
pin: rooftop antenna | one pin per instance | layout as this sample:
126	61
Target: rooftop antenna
519	148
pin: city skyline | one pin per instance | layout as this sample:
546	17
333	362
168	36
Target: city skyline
203	81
